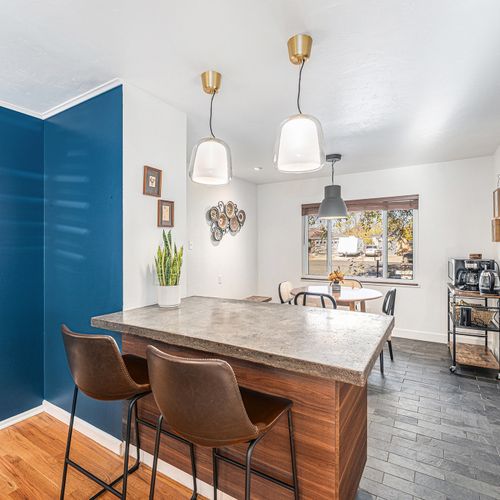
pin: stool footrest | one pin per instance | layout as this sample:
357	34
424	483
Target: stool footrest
117	480
163	431
255	471
100	482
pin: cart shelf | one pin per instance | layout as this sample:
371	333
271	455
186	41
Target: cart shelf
472	354
475	355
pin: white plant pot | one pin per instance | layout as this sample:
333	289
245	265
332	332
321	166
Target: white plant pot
169	296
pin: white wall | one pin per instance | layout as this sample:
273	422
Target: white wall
454	220
154	134
227	268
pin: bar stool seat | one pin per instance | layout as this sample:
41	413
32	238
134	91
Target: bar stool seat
138	370
262	409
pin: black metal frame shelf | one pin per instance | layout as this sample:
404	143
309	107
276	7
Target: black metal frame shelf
455	329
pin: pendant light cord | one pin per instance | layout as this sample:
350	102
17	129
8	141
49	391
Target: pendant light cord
333	171
210	119
298	91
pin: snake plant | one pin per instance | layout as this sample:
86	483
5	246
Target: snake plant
168	262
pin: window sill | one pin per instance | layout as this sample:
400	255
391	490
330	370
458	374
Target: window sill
381	282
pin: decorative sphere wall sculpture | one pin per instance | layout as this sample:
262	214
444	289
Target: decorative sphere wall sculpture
225	218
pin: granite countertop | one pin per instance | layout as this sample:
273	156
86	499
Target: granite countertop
332	344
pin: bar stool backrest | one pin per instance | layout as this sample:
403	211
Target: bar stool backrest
285	291
389	302
97	366
199	398
317	299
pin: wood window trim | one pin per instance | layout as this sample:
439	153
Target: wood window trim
408	202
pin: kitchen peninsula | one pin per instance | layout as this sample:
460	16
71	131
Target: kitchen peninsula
320	359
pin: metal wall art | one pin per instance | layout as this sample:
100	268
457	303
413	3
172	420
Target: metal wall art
225	218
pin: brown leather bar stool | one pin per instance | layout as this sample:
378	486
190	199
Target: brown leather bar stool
201	400
101	372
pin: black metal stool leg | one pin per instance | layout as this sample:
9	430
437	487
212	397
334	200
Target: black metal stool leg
127	445
382	362
155	458
137	437
248	467
68	443
293	456
137	461
215	470
390	350
193	471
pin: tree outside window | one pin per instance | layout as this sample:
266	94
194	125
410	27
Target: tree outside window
372	244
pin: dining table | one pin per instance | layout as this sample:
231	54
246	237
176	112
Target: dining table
347	296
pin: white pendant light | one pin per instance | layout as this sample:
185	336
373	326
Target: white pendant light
211	158
332	206
299	147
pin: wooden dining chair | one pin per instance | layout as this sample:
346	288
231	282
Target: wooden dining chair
317	299
285	292
352	283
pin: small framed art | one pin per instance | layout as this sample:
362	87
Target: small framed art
152	181
165	213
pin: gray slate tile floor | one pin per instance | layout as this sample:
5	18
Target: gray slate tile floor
431	434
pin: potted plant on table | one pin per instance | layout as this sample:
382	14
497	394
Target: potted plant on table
336	278
168	263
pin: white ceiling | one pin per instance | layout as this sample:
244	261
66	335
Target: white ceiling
394	82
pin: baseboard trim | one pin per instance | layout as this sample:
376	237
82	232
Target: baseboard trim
20	417
99	436
116	446
441	338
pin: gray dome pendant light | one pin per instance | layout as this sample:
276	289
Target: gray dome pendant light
332	206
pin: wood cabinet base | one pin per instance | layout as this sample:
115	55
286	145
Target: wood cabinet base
330	420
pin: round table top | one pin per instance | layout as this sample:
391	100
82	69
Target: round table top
347	294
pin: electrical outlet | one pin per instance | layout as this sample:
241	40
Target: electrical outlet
190	245
219	279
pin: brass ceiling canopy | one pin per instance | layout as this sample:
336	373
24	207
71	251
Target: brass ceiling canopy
210	81
299	48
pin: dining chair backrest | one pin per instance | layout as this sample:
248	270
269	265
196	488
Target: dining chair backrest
389	302
316	297
352	283
285	292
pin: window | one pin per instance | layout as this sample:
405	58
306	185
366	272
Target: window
375	241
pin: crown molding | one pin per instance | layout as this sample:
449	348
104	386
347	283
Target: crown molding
74	101
20	109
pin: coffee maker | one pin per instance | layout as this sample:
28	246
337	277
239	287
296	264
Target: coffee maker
489	282
465	273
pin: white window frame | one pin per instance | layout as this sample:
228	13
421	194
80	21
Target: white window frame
363	279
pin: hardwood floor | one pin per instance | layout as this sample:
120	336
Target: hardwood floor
31	462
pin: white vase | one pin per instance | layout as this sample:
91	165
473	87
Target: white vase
169	296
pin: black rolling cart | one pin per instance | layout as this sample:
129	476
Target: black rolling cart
471	314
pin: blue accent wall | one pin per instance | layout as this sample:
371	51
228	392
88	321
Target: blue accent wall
21	263
83	238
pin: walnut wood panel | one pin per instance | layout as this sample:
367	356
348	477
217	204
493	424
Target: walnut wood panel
352	437
325	414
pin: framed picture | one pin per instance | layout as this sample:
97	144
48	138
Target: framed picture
152	181
165	213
